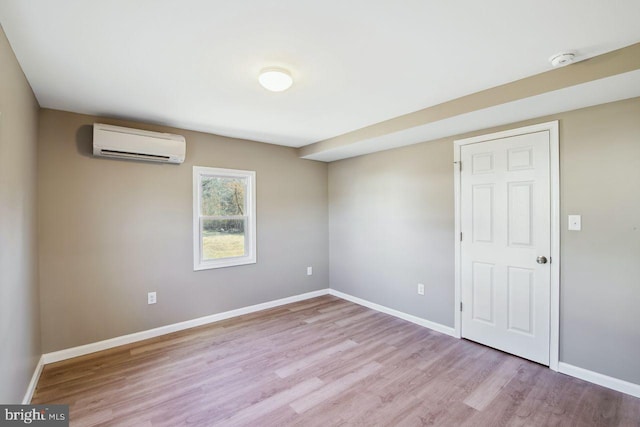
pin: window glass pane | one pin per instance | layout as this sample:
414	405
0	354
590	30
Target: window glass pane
222	196
223	238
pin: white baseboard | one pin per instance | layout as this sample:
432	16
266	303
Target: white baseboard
69	353
404	316
34	382
600	379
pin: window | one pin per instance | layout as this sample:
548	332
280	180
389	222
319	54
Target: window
224	217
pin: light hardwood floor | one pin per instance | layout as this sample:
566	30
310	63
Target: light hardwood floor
322	362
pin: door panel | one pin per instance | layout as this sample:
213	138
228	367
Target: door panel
482	304
482	206
520	301
505	223
482	163
520	214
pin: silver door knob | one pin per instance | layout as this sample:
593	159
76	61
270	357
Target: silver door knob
541	260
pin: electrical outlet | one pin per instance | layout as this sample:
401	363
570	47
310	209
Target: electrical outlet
420	289
309	271
151	298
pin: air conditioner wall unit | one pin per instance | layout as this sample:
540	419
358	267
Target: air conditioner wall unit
134	144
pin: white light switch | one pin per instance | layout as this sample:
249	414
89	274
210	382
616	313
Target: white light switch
575	222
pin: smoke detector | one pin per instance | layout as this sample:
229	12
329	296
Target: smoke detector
561	59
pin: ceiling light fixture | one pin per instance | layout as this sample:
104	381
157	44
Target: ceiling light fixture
561	59
275	79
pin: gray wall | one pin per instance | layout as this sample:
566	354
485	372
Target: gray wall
600	270
391	227
112	230
19	311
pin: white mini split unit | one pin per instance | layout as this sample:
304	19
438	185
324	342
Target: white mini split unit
133	144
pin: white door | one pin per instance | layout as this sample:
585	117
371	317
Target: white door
505	221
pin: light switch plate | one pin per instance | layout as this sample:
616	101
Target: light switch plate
575	222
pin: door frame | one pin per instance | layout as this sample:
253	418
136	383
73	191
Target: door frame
554	183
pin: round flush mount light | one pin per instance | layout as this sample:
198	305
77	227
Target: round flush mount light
561	59
275	79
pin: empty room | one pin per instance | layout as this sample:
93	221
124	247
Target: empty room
319	213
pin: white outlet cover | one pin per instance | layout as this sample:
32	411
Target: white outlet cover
309	271
420	289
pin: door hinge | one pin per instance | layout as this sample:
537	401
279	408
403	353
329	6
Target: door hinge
459	163
460	305
461	236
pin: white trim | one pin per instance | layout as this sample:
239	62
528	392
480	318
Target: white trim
404	316
554	175
34	382
600	379
69	353
457	292
554	307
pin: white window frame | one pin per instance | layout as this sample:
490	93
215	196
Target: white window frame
250	228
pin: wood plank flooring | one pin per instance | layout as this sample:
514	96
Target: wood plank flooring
322	362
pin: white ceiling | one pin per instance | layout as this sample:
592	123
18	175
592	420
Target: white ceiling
194	63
